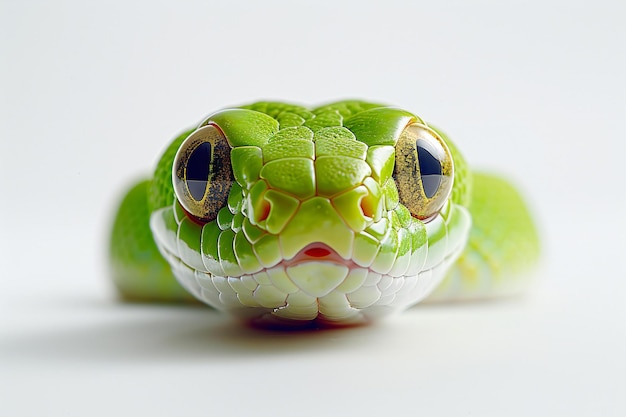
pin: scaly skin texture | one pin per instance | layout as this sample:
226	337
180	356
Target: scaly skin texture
314	228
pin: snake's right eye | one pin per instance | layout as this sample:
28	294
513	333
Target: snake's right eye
202	173
424	171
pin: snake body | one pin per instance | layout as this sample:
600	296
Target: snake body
339	214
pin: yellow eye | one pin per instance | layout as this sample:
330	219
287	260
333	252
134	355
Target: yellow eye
202	174
424	171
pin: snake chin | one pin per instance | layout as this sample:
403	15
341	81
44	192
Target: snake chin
311	290
316	284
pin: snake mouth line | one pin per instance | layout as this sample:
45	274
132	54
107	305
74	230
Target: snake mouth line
316	253
314	262
311	287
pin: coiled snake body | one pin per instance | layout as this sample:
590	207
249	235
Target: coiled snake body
338	214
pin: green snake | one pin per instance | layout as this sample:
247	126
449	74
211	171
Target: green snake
339	214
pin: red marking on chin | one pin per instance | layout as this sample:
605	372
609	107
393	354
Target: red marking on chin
317	252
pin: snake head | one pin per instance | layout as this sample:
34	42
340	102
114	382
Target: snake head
334	214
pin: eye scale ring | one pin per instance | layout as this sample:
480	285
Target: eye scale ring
423	172
202	174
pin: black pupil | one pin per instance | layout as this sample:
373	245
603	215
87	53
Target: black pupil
430	167
198	167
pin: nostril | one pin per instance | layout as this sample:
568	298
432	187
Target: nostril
263	211
367	207
317	252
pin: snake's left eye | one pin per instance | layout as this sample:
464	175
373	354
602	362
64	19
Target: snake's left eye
423	171
202	173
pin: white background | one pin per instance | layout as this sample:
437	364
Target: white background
90	94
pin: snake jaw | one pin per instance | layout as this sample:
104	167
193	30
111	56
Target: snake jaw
317	282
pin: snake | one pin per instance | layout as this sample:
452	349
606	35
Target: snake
340	214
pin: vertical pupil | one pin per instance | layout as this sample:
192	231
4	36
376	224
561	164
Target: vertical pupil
430	167
198	167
